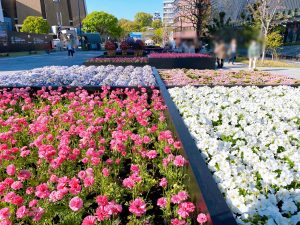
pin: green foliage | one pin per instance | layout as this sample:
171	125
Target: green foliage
35	25
273	41
156	24
127	26
143	20
102	22
158	36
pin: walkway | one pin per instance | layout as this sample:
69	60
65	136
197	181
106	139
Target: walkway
36	61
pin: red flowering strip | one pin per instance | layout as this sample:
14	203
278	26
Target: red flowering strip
80	158
177	55
132	60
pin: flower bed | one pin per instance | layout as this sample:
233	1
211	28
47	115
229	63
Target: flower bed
81	76
177	55
180	77
181	60
79	158
122	61
250	139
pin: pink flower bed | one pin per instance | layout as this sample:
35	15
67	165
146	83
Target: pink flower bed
181	77
177	55
120	60
79	158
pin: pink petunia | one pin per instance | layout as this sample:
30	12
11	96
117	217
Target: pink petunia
89	220
179	161
163	182
22	212
76	204
138	207
4	213
201	218
162	202
11	170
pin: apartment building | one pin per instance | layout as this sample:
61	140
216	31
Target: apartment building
56	12
168	13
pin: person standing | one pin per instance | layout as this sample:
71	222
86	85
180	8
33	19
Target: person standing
220	51
232	51
253	54
70	49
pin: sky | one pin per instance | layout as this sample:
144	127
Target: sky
125	8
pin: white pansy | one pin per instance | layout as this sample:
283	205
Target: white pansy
250	139
81	76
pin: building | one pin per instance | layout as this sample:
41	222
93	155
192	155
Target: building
168	16
156	16
56	12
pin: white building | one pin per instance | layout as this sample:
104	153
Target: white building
168	17
1	13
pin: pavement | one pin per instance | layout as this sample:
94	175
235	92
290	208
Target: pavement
289	72
20	63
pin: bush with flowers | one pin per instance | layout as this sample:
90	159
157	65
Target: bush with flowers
79	158
110	47
177	55
250	138
124	47
119	60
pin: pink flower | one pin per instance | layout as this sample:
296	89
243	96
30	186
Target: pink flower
102	200
202	218
29	190
128	183
82	174
163	182
17	185
76	204
134	168
137	207
89	220
105	172
4	213
162	202
24	175
185	209
37	213
11	170
22	212
42	191
33	203
88	181
152	154
178	222
179	161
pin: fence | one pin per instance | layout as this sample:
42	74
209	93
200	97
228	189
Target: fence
11	41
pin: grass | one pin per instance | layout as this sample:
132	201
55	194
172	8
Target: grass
268	63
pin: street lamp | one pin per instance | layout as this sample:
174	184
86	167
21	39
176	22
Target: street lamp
80	27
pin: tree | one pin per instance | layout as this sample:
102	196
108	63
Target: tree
219	25
156	24
273	41
102	22
158	36
265	11
127	27
35	25
195	12
143	20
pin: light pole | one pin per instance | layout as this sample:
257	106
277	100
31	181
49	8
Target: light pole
80	26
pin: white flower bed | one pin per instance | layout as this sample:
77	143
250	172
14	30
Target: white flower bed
250	138
81	76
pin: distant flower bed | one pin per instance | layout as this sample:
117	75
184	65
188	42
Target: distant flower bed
209	77
79	158
81	76
177	55
120	60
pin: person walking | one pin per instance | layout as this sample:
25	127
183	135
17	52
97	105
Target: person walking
232	51
220	51
70	49
253	54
